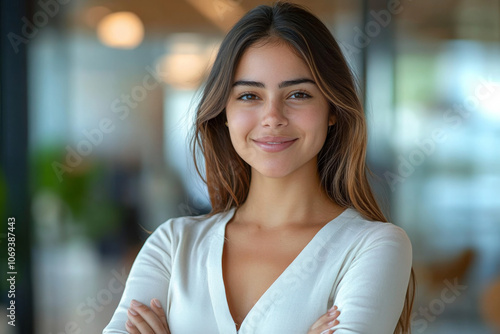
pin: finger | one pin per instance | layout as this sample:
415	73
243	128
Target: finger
328	327
160	312
144	319
129	325
328	315
329	323
328	331
138	323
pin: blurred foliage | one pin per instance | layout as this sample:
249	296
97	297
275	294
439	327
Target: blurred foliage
84	190
422	70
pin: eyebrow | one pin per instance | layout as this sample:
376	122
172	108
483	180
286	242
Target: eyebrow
282	84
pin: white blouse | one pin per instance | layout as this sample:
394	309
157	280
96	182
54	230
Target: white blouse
361	266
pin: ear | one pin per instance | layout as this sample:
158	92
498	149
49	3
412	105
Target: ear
332	119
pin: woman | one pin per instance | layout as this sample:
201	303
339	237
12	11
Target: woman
294	232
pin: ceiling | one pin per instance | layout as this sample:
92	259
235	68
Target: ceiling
211	16
444	19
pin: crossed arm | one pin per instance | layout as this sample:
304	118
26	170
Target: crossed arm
369	290
152	320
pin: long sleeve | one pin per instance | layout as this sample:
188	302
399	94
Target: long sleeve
149	277
361	266
371	293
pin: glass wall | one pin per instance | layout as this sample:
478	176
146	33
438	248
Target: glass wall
435	140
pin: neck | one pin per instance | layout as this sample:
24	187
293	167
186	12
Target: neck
295	199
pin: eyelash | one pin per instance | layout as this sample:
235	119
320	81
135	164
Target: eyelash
305	93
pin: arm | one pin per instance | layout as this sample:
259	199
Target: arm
371	294
149	277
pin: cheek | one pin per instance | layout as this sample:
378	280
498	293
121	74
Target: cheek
241	123
315	125
312	120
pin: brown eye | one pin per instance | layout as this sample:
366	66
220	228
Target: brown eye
300	95
248	97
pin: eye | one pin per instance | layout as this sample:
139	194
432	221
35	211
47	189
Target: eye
248	97
300	95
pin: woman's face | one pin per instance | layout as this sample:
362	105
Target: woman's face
277	116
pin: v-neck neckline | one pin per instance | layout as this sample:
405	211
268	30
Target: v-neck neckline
216	285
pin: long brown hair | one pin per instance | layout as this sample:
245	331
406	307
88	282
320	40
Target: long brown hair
341	161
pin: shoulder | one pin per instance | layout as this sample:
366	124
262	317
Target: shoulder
366	233
177	228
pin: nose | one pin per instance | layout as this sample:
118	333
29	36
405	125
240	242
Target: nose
274	114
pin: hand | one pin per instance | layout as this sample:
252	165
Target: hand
324	324
145	320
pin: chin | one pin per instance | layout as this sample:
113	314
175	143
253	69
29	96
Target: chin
276	175
272	172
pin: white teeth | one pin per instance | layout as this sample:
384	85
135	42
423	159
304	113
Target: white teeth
272	142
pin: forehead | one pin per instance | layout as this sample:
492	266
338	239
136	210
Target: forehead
271	62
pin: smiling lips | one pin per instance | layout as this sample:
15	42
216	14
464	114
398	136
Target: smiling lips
274	144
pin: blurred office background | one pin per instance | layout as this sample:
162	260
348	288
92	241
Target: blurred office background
97	106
